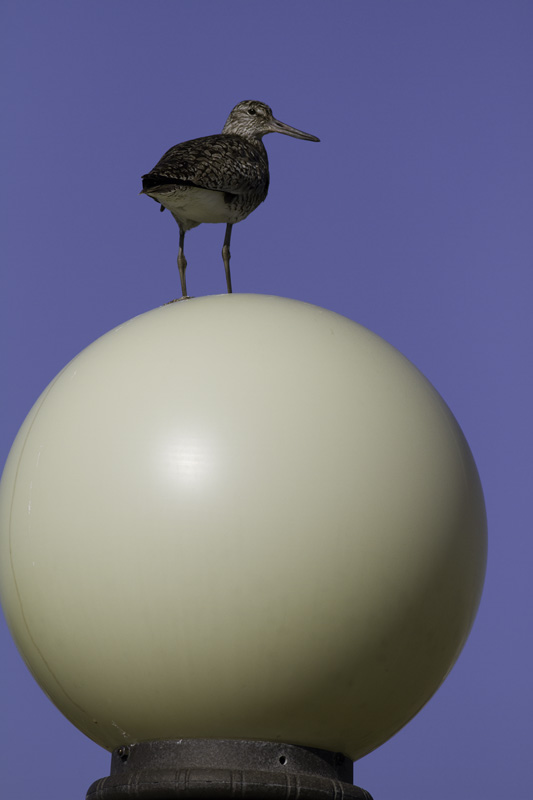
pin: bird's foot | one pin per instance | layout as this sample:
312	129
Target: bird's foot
177	299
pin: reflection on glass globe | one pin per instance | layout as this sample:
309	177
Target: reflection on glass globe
241	517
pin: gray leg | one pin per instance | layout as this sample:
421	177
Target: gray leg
182	264
226	256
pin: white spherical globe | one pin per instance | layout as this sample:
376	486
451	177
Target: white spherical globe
241	517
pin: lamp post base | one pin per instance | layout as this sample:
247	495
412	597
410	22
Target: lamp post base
221	769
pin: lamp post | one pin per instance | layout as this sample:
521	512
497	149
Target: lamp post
242	542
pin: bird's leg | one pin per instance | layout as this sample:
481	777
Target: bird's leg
182	264
226	255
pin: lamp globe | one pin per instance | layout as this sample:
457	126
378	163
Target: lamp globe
241	517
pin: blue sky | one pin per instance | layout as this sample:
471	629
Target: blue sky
412	217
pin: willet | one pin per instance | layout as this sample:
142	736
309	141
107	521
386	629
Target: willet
220	178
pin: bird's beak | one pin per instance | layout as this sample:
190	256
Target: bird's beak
280	127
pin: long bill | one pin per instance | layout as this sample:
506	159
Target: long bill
280	127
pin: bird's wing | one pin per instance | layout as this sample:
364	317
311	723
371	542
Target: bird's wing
223	163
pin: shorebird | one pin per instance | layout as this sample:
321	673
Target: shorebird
220	178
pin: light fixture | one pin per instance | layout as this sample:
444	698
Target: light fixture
239	535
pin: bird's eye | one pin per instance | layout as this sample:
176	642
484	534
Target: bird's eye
251	111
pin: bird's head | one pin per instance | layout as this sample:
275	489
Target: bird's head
252	120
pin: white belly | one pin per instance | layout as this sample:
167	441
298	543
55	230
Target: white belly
189	203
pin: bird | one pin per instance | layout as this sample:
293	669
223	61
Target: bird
220	178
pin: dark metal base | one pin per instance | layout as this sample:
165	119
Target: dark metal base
221	769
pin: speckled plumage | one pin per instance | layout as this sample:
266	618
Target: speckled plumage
220	178
225	163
